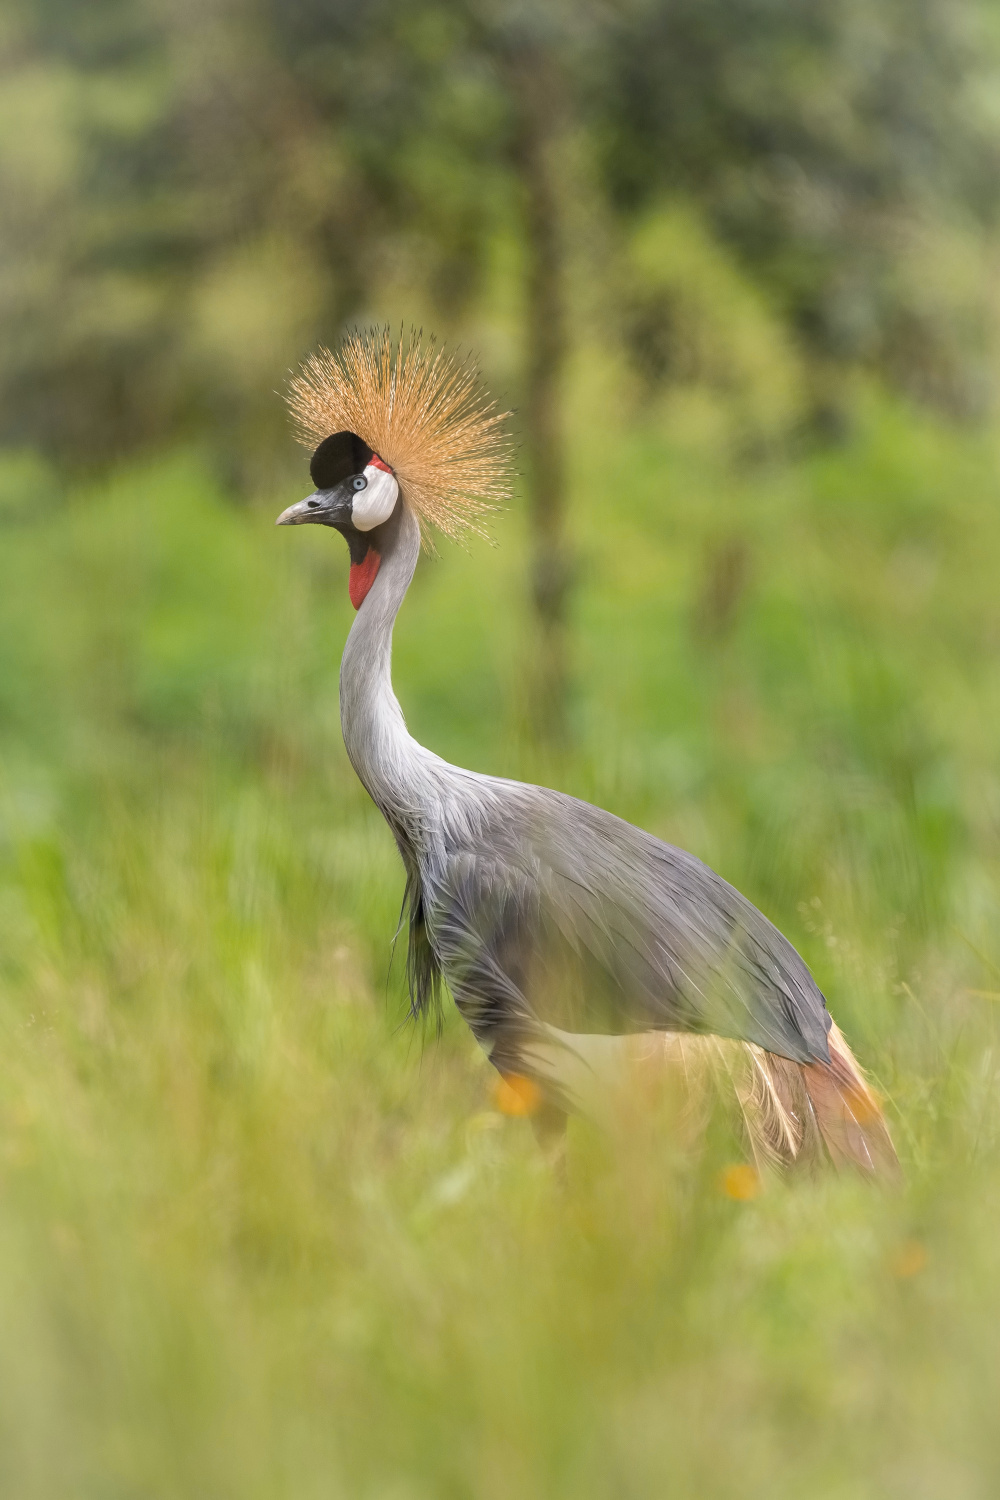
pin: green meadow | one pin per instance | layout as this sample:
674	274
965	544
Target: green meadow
262	1237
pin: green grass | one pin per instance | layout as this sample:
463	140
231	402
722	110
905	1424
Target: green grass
257	1238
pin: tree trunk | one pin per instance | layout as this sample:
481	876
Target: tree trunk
535	82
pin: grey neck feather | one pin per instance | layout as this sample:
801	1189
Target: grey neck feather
394	769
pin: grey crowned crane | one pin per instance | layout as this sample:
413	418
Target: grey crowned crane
575	945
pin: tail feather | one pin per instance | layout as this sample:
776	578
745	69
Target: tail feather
848	1113
779	1121
801	1112
792	1112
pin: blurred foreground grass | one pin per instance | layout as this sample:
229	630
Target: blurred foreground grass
256	1239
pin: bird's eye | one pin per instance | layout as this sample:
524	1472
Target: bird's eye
359	482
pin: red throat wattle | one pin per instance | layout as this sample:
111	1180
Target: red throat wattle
362	577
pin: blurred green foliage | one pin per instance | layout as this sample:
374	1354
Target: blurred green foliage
255	1238
195	193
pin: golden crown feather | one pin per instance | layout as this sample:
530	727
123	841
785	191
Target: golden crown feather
421	409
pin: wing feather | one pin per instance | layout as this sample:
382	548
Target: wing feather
556	913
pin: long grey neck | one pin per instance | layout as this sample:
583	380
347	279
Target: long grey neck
389	762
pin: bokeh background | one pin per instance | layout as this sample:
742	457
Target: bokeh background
734	265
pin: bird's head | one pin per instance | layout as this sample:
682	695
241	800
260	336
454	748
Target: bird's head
396	421
356	493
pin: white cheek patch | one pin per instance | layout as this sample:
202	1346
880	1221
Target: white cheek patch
377	501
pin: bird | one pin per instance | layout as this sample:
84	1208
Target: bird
579	948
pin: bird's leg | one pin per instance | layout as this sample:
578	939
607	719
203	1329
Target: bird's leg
549	1124
521	1094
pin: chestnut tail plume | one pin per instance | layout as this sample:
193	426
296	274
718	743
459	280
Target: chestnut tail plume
801	1111
792	1112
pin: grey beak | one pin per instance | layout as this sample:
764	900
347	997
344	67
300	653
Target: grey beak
309	509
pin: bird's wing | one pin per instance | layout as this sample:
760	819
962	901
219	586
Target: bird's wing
543	910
